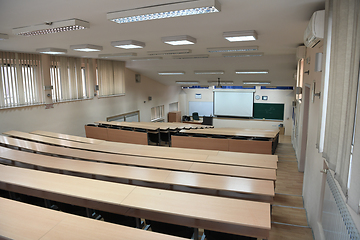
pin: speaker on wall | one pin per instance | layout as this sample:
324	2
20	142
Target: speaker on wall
137	78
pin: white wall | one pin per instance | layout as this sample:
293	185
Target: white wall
70	118
274	96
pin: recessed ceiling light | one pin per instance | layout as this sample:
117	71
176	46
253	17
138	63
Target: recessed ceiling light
3	36
51	51
128	44
233	49
210	72
256	83
116	55
240	36
146	59
169	52
171	73
191	56
86	48
179	40
252	72
258	54
187	82
52	27
221	82
166	10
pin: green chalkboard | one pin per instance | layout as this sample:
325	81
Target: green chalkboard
269	111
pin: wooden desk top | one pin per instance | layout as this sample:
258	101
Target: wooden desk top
268	161
24	221
187	166
200	181
214	213
235	132
68	137
142	125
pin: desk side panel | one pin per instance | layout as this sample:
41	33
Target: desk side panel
96	132
200	143
250	146
117	135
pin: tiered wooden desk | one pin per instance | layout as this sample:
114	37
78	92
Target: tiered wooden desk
214	213
23	221
188	155
250	145
245	188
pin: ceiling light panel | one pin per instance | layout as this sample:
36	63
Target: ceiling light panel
221	82
232	49
117	55
258	54
167	10
169	52
191	56
187	83
147	59
171	73
54	51
3	36
179	40
52	27
217	72
256	83
252	72
240	36
86	48
128	44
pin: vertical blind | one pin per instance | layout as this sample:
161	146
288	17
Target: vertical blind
343	82
21	79
71	78
111	77
157	112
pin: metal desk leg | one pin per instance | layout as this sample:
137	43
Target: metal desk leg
196	234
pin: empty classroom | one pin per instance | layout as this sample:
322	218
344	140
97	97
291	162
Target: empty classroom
180	119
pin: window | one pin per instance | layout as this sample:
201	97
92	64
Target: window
299	79
110	78
71	78
157	113
21	80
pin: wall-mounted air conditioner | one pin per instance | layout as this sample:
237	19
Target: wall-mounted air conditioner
315	30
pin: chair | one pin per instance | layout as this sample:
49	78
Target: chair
219	136
114	127
200	135
126	128
102	126
240	138
207	121
212	235
140	130
260	139
195	116
91	125
181	134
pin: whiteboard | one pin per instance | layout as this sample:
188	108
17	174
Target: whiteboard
235	104
203	108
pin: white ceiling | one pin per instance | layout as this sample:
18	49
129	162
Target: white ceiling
280	25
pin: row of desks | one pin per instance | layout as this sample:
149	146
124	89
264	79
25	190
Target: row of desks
155	125
104	146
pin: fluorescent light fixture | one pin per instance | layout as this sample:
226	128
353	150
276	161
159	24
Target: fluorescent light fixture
147	59
232	49
187	82
171	73
54	51
256	83
258	54
86	48
169	52
166	10
191	56
221	82
179	40
3	36
116	55
252	72
209	72
240	36
128	44
52	27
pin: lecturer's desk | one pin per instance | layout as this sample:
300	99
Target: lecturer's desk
255	140
244	188
206	168
214	213
225	158
24	221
